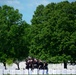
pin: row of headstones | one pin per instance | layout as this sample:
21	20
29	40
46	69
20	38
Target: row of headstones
50	66
61	66
50	71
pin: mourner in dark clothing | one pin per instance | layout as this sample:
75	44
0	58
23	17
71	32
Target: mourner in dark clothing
45	65
36	66
40	64
35	63
29	63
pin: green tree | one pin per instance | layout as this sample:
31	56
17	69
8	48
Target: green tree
54	38
36	28
13	35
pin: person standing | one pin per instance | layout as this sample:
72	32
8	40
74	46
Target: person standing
40	68
45	67
29	65
35	66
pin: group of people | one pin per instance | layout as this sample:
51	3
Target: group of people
36	66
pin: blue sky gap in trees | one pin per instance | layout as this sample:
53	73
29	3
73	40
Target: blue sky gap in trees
27	7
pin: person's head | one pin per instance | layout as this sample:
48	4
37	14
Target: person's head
29	57
35	59
39	60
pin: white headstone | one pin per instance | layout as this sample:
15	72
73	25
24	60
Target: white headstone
25	71
1	71
50	71
6	71
12	71
64	71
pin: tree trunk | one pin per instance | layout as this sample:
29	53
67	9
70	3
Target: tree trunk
4	63
18	65
65	65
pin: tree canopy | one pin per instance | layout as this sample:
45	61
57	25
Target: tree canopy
53	32
13	35
51	35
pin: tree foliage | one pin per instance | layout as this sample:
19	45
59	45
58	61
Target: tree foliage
53	32
13	35
50	37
